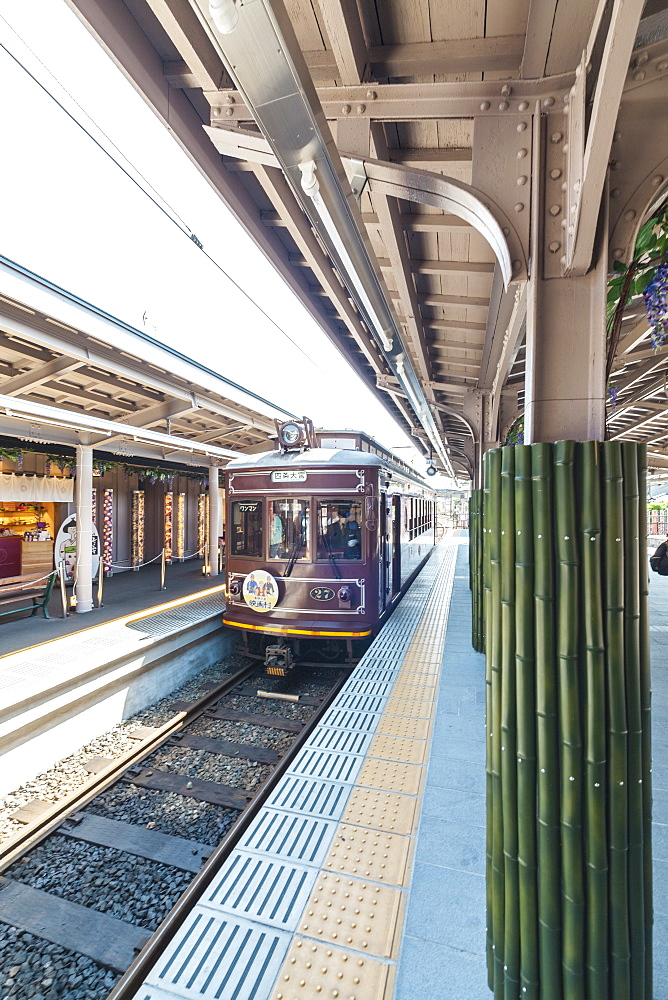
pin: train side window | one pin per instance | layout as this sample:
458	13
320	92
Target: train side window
339	530
246	525
288	529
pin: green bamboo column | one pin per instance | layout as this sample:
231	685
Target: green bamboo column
634	718
525	667
613	535
508	731
494	647
489	779
476	569
547	736
645	698
595	739
570	720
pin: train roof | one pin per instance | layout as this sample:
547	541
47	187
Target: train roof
319	457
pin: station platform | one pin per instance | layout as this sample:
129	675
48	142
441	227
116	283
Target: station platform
363	878
69	679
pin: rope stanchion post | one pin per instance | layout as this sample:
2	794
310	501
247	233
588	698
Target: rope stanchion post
63	591
163	569
100	584
206	569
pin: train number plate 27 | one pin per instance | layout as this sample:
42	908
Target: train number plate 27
322	594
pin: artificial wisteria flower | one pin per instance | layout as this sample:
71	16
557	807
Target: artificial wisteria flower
612	392
656	304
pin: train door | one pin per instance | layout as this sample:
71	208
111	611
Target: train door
385	550
396	545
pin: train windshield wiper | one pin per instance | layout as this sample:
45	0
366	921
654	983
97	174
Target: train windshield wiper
328	546
296	549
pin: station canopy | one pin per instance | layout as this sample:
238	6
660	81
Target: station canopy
401	162
71	373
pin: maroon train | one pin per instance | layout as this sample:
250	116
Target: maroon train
323	537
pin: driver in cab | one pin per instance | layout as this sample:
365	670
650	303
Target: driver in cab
344	535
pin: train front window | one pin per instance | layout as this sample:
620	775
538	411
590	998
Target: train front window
339	530
288	529
246	528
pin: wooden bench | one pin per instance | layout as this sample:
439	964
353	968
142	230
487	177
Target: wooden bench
31	591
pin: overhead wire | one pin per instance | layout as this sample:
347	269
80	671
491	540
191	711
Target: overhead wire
156	198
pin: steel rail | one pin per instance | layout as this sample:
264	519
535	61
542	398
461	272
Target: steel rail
17	846
132	979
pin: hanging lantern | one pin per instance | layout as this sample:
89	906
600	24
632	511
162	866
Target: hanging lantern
201	522
107	531
180	525
137	540
167	536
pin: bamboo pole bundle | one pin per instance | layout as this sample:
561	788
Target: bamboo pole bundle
595	741
508	730
570	720
620	983
526	724
645	699
568	702
476	569
634	718
547	739
489	732
494	645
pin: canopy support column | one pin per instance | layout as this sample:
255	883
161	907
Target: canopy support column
84	512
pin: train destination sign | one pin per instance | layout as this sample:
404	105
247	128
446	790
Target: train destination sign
260	591
288	476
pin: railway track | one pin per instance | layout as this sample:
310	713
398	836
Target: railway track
95	885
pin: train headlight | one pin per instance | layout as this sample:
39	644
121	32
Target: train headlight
344	594
290	434
235	588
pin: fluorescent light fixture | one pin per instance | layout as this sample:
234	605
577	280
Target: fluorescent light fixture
224	14
311	187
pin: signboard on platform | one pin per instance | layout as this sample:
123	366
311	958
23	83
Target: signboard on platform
65	549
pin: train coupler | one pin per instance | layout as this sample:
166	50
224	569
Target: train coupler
279	660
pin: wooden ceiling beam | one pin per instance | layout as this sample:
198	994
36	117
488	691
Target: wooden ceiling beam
22	384
190	37
344	30
443	266
464	55
399	262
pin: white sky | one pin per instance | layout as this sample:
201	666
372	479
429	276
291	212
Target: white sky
68	213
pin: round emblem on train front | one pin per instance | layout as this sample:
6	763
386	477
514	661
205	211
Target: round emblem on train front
260	591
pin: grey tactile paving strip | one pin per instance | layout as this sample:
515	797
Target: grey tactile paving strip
272	892
251	906
175	619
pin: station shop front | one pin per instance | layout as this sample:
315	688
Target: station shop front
138	510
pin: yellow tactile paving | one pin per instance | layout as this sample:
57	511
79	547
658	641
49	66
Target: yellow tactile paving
352	912
397	725
395	748
394	777
319	970
422	673
381	810
369	854
414	692
412	709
